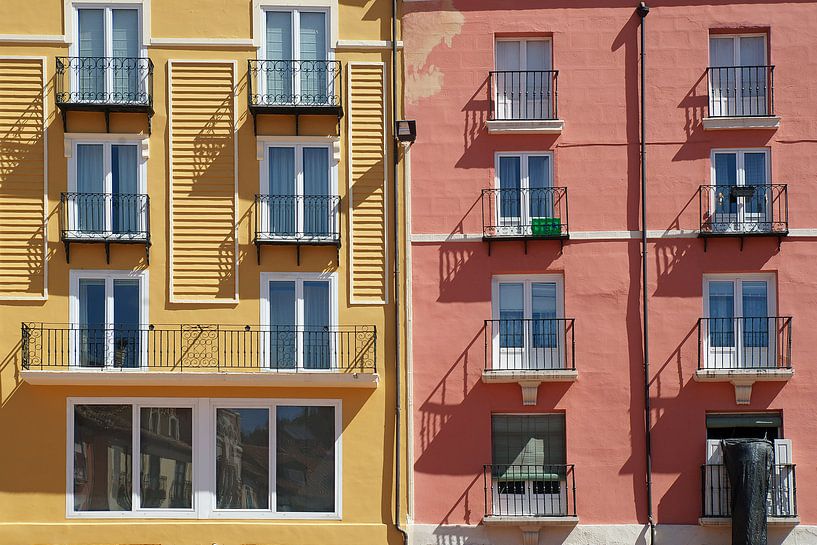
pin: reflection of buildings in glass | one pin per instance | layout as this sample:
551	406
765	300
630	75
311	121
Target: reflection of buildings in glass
241	467
166	457
305	460
102	458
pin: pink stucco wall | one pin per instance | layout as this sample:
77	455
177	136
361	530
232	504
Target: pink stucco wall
595	48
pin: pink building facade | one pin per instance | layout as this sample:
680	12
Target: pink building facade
526	329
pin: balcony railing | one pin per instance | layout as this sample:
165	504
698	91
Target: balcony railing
104	216
740	210
126	82
541	344
297	218
716	493
741	91
536	212
295	84
200	347
517	95
745	343
530	490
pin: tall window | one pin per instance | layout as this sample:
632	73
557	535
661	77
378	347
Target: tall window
297	198
740	321
524	79
108	46
107	191
296	44
525	197
739	75
108	316
300	318
528	326
529	464
742	191
204	458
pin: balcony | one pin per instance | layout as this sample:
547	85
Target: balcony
523	102
104	84
199	355
530	497
104	218
740	97
743	211
534	213
744	350
294	87
296	220
716	497
529	352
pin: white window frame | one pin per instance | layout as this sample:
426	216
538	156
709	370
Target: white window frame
736	45
204	458
141	165
298	145
524	190
523	67
527	281
741	217
264	321
722	102
108	277
737	294
108	7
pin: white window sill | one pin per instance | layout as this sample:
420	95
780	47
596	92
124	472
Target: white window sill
136	377
727	123
727	521
743	379
528	521
526	126
529	380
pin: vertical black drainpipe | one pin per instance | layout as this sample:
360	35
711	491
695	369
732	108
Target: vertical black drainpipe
398	405
643	10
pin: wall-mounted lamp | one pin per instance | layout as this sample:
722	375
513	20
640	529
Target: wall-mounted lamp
406	130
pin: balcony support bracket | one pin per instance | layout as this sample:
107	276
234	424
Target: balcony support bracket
64	113
743	391
107	120
530	390
67	250
108	252
530	535
298	254
258	251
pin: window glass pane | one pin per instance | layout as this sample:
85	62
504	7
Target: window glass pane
511	314
279	50
282	324
755	314
510	183
317	206
317	336
314	80
507	55
103	443
305	459
125	49
753	51
90	202
91	323
537	55
541	196
166	457
545	327
722	51
535	444
126	320
726	174
282	200
754	165
721	314
242	458
126	207
91	84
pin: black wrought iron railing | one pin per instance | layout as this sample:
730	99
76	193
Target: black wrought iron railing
744	209
741	91
744	343
305	83
516	95
539	344
120	81
536	212
540	490
716	491
297	218
199	347
104	216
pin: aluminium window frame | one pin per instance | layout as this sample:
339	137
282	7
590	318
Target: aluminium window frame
204	457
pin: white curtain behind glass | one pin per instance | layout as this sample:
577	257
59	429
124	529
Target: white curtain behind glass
313	77
508	64
126	209
90	201
91	84
510	184
282	202
279	48
540	195
721	314
317	207
125	45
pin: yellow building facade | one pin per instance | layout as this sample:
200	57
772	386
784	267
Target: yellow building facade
197	272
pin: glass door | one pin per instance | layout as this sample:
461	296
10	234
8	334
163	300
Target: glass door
89	205
738	81
300	325
739	325
109	69
316	207
296	52
509	219
282	193
524	86
742	193
546	332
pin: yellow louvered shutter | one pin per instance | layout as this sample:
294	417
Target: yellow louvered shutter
22	179
203	182
367	182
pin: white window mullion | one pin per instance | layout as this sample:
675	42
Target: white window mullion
296	52
299	323
299	189
108	37
107	199
136	459
273	468
109	322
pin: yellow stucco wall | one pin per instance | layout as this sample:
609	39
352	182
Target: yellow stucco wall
33	417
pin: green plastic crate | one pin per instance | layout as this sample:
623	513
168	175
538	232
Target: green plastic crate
546	227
